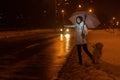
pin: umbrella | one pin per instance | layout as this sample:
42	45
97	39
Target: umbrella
90	19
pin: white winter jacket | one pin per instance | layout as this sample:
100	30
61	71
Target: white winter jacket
79	28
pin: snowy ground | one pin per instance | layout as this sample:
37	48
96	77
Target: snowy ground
109	67
111	50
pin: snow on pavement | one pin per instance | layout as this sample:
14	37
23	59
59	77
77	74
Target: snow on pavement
111	42
71	70
109	67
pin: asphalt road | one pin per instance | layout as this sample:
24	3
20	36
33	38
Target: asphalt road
33	57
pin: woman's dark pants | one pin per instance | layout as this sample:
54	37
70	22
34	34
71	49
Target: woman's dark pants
85	48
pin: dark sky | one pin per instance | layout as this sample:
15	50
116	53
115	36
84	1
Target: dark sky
110	7
31	10
103	8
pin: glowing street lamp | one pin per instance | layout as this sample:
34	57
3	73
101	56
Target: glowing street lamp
113	18
79	6
90	10
62	11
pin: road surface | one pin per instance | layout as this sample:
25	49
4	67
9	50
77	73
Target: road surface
37	56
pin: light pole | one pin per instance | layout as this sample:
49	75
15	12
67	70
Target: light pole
55	13
63	13
113	20
113	23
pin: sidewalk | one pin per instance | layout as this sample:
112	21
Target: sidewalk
106	70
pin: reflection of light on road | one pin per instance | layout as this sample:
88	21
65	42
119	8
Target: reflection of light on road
61	29
67	30
61	48
67	36
67	44
61	37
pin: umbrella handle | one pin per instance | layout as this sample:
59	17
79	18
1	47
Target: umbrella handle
85	20
85	17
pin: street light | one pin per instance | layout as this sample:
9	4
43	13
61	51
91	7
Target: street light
113	18
63	11
79	6
117	23
90	10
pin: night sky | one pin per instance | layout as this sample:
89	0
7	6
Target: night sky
106	9
110	7
33	9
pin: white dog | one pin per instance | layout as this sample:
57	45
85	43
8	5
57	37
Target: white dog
97	52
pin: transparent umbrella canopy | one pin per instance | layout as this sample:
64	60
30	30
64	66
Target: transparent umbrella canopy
90	19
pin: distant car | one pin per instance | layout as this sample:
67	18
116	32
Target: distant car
64	30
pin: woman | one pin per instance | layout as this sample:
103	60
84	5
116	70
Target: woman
81	32
81	42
